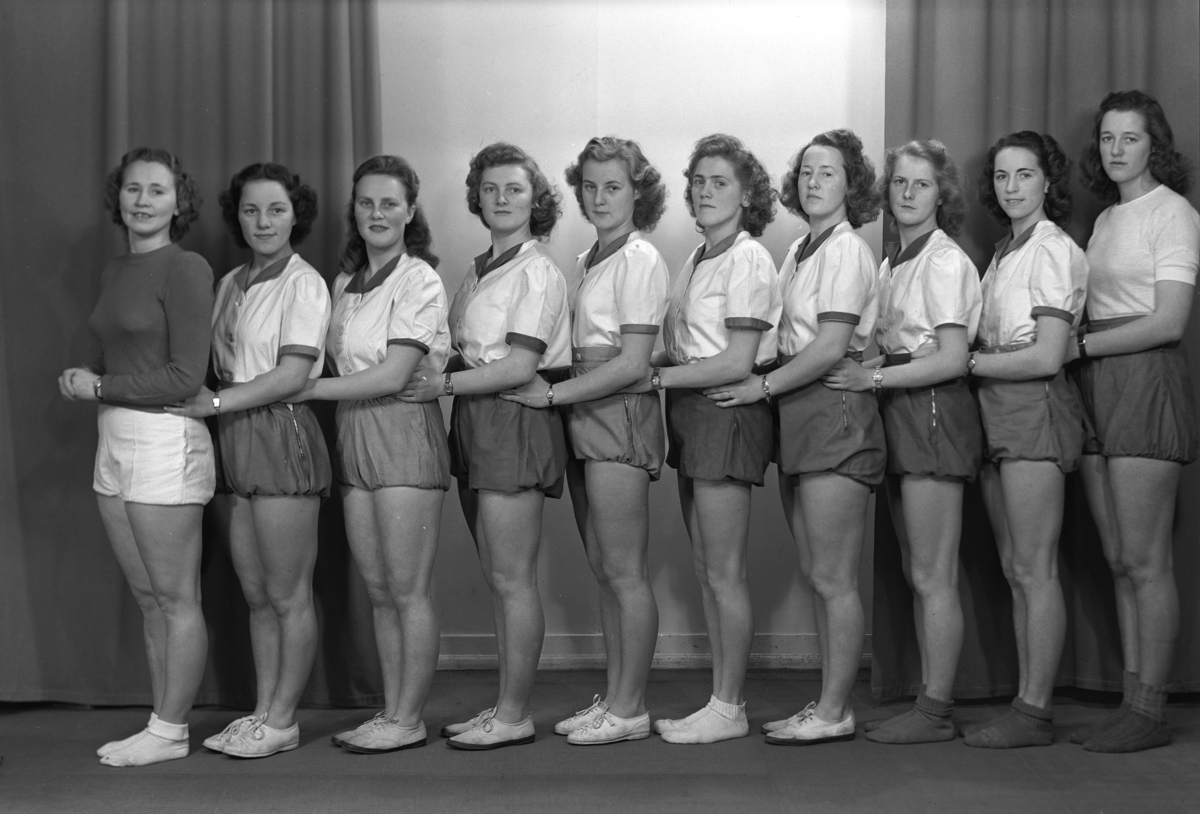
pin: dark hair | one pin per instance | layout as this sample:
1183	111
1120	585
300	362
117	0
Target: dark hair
417	237
302	196
651	199
546	209
952	211
187	192
862	198
1052	161
1167	165
751	174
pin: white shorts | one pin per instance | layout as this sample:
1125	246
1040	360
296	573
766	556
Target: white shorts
155	458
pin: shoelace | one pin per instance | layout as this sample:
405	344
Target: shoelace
485	720
235	728
583	713
808	712
378	721
600	720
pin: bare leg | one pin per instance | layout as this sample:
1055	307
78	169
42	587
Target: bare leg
264	625
610	612
1097	486
618	521
470	506
512	525
895	497
993	501
691	521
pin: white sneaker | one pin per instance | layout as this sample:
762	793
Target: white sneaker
810	730
260	740
381	735
581	718
219	741
341	737
450	730
608	728
493	734
775	726
710	726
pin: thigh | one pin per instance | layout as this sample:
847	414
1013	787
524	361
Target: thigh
512	530
285	528
577	484
1033	507
834	512
722	511
363	534
409	522
169	541
1143	493
932	509
618	500
124	546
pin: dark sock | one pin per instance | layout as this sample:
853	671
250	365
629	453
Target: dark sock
871	726
1023	725
1086	733
1133	733
927	722
1150	700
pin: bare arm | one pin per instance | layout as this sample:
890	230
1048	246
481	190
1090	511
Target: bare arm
1043	358
808	365
277	384
1172	307
949	361
615	375
730	365
384	379
514	370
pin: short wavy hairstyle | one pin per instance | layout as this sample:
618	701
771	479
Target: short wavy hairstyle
862	198
302	196
1167	165
418	238
1052	161
751	174
952	210
187	191
547	201
647	181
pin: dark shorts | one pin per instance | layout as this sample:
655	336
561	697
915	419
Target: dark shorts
1036	420
274	450
933	431
1140	405
625	427
823	430
503	446
718	444
387	442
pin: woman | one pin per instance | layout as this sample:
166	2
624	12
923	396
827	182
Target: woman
830	449
268	338
616	436
389	323
509	320
1137	394
154	472
1033	296
720	325
929	297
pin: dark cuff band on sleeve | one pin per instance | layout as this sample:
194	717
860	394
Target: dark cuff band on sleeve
746	324
1047	311
411	343
531	342
299	350
635	328
838	316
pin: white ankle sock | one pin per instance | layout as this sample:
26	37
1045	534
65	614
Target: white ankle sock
730	711
711	725
114	746
160	741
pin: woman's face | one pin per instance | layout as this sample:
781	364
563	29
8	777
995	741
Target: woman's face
717	196
1019	183
267	217
821	182
148	200
913	193
382	211
1124	145
608	196
506	198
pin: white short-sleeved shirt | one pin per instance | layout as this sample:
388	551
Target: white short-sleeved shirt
733	289
836	281
623	292
1136	244
404	303
930	284
284	310
519	298
1041	273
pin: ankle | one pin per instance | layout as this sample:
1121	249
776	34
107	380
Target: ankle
730	711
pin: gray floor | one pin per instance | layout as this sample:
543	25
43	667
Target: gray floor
49	765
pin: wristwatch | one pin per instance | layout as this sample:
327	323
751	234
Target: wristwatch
971	363
656	379
766	387
96	389
1082	342
877	378
550	394
448	385
216	402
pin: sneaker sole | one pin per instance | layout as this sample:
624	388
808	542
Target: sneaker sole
774	741
767	729
366	750
287	748
636	736
483	747
219	749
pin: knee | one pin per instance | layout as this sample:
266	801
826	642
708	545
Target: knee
725	581
829	587
411	595
1144	568
174	603
512	584
930	584
626	581
289	601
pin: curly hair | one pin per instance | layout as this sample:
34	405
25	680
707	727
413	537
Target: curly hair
952	210
751	174
187	192
862	198
1168	166
647	182
546	200
1052	161
417	236
302	196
